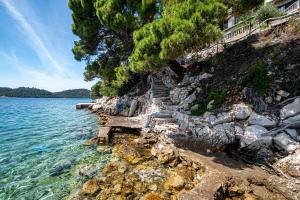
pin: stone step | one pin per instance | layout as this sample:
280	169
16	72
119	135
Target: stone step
160	89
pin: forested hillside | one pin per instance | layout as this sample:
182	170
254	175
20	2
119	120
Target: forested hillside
39	93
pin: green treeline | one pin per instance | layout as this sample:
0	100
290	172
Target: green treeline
38	93
123	41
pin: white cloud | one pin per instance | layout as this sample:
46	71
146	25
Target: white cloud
37	44
54	72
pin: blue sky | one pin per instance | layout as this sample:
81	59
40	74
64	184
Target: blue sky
35	46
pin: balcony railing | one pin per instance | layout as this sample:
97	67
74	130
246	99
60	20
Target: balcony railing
292	8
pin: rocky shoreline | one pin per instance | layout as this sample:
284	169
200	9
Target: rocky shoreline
247	147
170	138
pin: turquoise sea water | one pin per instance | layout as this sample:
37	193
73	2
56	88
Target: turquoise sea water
37	135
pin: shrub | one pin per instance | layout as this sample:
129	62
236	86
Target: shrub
267	11
257	78
217	95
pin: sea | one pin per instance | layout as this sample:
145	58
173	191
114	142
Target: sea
42	147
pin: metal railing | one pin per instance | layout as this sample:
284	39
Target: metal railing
241	33
292	8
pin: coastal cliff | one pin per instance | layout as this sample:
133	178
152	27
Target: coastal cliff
231	122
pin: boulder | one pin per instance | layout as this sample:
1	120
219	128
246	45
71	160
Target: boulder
88	171
289	188
90	187
256	119
291	109
290	164
295	121
252	134
165	153
60	168
185	104
293	134
241	111
224	117
285	142
179	94
259	150
217	137
175	182
283	93
196	80
133	107
96	107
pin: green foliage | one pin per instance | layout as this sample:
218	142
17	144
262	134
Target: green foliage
257	78
75	93
95	91
119	38
216	95
184	24
263	26
38	93
267	11
243	6
202	108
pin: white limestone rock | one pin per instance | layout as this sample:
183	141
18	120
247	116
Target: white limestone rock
290	164
188	101
217	137
133	107
295	121
256	119
252	134
241	111
224	117
285	142
291	109
293	134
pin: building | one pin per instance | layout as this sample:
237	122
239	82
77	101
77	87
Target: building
287	6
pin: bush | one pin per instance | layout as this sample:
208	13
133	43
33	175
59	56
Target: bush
217	95
267	11
257	78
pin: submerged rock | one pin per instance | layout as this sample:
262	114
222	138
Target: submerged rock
60	168
88	171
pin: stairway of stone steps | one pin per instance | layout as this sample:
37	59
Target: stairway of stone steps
162	120
159	89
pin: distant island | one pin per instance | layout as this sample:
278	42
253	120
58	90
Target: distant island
27	92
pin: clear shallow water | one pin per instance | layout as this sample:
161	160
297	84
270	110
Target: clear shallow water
35	136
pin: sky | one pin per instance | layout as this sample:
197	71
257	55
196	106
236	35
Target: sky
35	46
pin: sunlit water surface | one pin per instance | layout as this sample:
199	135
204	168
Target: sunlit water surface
35	136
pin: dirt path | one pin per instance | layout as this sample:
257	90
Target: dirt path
226	177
